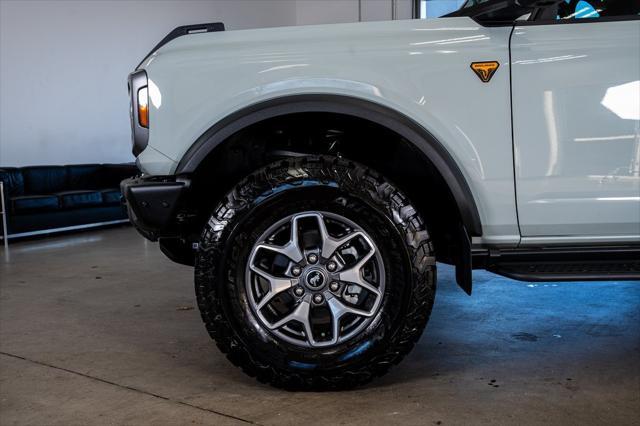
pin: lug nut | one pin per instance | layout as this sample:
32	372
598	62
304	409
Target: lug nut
317	298
296	271
312	258
331	266
334	286
298	291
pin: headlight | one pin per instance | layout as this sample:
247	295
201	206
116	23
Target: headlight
143	107
139	111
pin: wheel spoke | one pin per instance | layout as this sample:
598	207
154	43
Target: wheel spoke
276	285
300	314
330	244
338	310
354	274
294	238
289	250
294	242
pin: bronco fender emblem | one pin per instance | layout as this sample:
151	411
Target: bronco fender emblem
485	70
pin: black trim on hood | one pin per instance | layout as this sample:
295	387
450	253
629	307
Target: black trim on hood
182	31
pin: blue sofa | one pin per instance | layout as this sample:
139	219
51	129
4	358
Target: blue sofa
45	198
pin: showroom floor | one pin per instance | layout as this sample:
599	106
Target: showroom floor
99	328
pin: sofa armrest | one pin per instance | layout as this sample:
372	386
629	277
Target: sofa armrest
13	181
4	207
5	189
4	177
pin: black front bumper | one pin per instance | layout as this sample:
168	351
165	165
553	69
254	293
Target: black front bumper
153	203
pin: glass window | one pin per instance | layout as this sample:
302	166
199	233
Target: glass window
437	8
507	11
586	9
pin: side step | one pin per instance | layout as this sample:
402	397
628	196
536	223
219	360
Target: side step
567	264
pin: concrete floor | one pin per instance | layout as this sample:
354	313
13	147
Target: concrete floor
100	328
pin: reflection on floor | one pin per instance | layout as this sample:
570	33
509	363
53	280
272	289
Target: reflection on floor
100	328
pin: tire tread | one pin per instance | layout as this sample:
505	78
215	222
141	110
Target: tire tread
382	192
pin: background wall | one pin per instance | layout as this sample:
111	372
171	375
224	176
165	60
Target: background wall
63	69
310	12
64	63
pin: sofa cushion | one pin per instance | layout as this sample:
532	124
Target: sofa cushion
84	176
13	181
44	179
34	203
111	196
75	199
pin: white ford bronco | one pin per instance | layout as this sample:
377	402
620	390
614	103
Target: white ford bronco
315	175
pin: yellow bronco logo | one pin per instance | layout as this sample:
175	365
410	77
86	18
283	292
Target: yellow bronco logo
485	70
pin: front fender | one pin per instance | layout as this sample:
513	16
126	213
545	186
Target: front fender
419	69
386	117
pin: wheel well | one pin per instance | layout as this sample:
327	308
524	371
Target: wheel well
351	137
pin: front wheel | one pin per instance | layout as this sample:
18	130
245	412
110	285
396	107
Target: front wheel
315	273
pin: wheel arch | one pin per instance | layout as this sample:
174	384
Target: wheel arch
387	117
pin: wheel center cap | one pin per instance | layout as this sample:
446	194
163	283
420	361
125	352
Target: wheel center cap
315	278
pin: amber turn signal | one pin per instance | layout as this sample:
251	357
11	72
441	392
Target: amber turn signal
143	107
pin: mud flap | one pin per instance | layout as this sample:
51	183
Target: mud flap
464	275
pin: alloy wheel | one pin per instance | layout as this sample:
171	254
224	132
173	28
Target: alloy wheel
315	279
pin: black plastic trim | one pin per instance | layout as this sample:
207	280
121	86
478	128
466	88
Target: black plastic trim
152	203
540	277
139	135
178	250
182	31
576	263
464	266
391	119
577	21
474	12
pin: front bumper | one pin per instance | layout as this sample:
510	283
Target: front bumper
153	203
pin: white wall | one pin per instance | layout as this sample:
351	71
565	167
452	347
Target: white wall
63	69
310	12
64	63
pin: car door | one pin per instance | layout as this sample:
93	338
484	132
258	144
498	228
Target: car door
576	122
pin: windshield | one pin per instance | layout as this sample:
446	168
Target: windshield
509	10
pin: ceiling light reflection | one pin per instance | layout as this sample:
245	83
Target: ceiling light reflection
624	100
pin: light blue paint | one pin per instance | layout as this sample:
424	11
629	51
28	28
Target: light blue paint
356	351
302	365
585	10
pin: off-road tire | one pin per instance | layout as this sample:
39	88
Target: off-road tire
315	183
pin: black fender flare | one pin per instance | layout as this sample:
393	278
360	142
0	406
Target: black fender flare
347	105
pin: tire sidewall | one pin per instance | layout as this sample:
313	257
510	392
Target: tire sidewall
320	197
273	193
